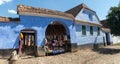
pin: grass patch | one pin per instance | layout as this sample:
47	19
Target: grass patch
118	44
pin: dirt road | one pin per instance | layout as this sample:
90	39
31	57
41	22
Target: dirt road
106	55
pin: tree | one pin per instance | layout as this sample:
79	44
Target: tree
113	19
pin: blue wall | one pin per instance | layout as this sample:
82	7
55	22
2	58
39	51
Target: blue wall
9	31
88	38
40	24
87	15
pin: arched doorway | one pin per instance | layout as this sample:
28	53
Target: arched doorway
57	38
28	41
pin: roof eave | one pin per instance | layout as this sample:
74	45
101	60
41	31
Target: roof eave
106	30
29	10
88	23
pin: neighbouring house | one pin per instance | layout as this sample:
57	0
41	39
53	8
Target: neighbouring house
38	31
115	39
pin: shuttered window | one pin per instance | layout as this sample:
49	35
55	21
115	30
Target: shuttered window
83	30
91	30
98	31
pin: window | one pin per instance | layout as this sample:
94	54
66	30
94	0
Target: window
98	31
91	30
90	17
89	14
83	30
85	12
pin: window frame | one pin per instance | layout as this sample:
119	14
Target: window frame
83	29
98	31
91	30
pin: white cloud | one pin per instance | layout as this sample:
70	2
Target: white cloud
7	0
1	2
4	1
12	11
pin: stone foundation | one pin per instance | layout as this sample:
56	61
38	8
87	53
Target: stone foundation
74	47
91	46
5	53
40	51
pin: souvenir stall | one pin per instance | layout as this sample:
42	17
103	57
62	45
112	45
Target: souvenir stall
56	39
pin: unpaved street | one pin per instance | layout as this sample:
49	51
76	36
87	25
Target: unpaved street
106	55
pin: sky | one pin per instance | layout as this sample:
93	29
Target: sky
8	8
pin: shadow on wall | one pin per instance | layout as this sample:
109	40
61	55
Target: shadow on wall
5	53
95	46
107	50
16	45
43	43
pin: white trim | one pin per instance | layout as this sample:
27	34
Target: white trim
88	23
79	13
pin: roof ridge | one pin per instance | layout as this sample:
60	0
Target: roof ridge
75	10
83	5
31	9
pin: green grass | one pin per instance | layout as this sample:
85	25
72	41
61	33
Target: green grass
117	44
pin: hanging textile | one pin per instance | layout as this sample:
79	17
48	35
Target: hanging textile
21	36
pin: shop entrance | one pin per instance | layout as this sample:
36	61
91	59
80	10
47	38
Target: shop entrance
28	42
57	39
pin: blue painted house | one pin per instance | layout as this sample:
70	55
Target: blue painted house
52	31
89	30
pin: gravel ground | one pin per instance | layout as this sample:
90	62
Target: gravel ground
106	55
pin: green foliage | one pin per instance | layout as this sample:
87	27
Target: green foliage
113	19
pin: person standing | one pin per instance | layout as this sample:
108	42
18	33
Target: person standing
20	45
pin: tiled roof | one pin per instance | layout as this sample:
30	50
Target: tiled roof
74	11
29	9
105	27
104	23
5	19
8	19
